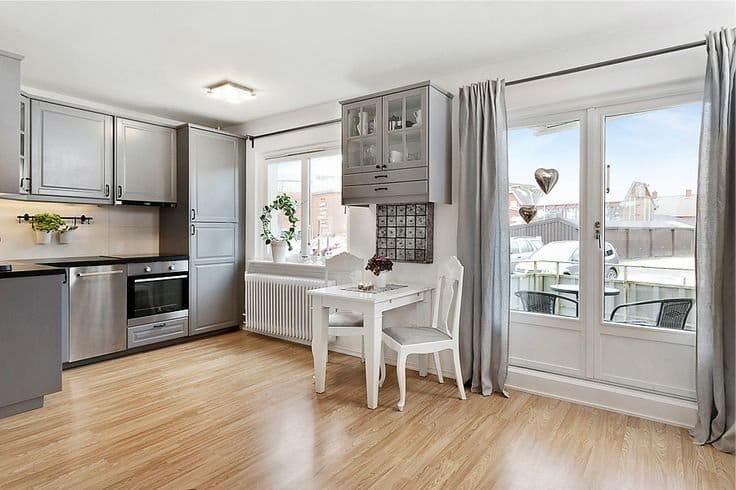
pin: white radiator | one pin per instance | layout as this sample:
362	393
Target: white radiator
279	306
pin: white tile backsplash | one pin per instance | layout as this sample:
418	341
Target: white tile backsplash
114	230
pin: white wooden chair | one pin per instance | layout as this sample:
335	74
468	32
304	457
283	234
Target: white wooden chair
345	268
441	335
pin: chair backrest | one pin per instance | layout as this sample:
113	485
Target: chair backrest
448	295
344	268
673	312
540	301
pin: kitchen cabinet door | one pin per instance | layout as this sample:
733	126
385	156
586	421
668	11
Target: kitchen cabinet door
361	136
10	178
213	302
405	129
145	167
214	242
72	152
214	168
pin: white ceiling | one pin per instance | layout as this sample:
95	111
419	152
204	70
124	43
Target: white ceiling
157	57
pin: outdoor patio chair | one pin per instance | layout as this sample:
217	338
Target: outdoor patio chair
673	312
541	302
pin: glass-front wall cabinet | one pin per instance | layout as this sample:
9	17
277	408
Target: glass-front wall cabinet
405	129
362	135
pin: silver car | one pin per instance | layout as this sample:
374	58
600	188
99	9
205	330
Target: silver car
564	258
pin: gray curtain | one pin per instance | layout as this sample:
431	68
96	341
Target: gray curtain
483	236
715	249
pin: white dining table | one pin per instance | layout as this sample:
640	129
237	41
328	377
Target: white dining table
372	306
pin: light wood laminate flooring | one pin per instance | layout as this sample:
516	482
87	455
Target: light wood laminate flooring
239	411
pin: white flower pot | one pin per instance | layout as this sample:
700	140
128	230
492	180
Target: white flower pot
278	250
42	237
66	237
380	280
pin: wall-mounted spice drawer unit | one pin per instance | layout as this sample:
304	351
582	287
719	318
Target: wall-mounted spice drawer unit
396	146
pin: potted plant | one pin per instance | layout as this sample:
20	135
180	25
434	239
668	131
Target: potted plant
44	225
280	243
66	234
380	266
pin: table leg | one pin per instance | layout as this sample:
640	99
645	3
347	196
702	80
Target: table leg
424	319
320	323
373	335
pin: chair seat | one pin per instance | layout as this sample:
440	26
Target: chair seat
415	335
346	319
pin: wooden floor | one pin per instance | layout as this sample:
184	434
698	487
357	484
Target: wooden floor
238	411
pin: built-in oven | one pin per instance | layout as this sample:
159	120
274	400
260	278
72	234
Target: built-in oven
157	292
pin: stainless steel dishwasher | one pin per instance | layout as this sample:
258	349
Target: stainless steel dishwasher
97	311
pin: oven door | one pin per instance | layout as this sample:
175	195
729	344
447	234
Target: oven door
154	298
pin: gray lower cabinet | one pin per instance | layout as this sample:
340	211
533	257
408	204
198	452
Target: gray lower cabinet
145	163
214	167
213	297
153	333
71	152
214	242
30	341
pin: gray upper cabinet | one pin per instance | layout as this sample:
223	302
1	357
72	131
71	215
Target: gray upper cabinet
145	164
397	146
11	171
214	176
71	152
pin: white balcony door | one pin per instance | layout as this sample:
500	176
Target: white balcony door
614	237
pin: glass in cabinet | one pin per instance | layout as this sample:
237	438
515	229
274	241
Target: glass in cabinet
405	129
362	136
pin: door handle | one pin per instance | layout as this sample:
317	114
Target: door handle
29	184
194	214
380	189
120	191
194	230
597	233
92	274
159	325
107	190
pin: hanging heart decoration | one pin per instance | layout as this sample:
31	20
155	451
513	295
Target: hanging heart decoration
546	178
527	213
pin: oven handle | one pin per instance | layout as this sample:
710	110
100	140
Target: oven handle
164	278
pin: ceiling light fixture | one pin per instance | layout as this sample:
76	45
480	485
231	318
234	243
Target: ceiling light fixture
230	92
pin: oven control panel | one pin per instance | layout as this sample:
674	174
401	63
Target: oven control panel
158	268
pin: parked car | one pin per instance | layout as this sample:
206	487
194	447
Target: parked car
566	256
524	247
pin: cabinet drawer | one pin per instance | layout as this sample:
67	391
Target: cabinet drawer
416	191
157	332
386	176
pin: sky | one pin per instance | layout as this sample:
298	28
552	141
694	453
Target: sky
657	147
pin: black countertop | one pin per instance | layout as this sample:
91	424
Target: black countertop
39	267
24	269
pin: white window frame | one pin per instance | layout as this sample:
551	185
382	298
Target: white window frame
588	326
305	156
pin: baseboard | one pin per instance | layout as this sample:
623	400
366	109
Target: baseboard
659	408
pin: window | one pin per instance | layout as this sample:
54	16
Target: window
315	182
540	267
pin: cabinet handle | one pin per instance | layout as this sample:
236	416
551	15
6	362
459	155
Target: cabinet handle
194	230
194	214
382	176
380	189
158	325
107	190
378	166
120	191
384	166
29	184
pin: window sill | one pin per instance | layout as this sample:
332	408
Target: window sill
292	269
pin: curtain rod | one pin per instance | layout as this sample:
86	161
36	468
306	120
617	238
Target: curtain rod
614	61
253	137
568	71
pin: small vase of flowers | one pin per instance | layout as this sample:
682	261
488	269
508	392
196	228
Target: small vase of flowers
380	266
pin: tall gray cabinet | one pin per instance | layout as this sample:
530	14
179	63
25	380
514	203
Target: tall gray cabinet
207	225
